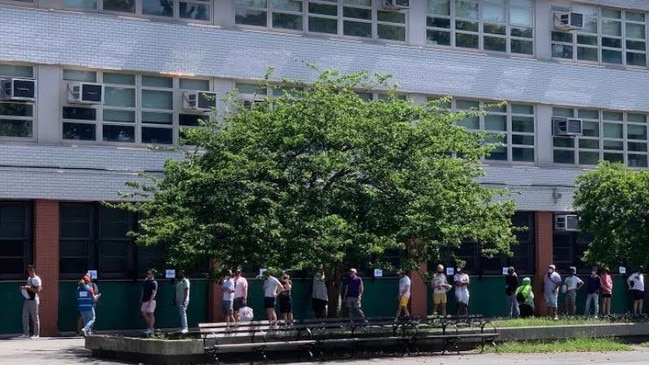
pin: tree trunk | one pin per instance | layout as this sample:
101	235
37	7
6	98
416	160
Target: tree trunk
333	289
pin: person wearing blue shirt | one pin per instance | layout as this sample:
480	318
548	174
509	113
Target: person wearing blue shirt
86	299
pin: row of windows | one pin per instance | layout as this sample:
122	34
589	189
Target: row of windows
609	35
607	135
15	239
16	119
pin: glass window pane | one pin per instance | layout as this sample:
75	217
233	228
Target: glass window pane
250	17
467	26
466	9
613	116
562	37
611	42
357	13
523	140
587	40
195	84
195	11
391	32
493	13
637	160
635	30
118	133
466	40
522	109
635	131
439	7
323	9
289	5
119	96
613	130
527	33
587	54
157	135
391	17
495	44
636	146
470	122
522	47
611	13
191	120
494	29
156	99
495	122
80	4
157	118
357	29
588	158
78	113
588	114
523	154
120	116
613	157
561	51
592	144
498	154
119	79
636	45
323	25
287	21
637	17
521	16
438	38
566	142
523	124
563	112
120	5
78	131
158	7
76	75
636	59
16	109
16	128
590	129
19	71
156	81
638	118
613	145
252	3
561	156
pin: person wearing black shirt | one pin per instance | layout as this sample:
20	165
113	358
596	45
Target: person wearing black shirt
511	284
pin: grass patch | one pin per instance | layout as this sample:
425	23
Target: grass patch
582	344
645	344
536	322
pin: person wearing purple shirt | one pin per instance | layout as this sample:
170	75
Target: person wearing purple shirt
353	294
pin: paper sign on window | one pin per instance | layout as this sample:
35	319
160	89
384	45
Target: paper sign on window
378	273
170	274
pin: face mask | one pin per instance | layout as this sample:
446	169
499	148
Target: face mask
459	270
593	273
440	271
550	271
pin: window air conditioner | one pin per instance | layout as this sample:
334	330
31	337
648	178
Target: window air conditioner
562	126
566	222
17	89
396	4
565	21
85	93
199	100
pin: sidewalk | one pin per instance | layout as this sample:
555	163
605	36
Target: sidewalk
47	351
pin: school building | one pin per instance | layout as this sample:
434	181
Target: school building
88	84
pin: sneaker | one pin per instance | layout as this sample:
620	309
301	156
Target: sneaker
555	318
184	330
35	337
148	331
84	333
23	336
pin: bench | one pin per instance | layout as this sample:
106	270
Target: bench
455	329
258	337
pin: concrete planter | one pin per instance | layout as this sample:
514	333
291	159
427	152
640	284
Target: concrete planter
146	350
561	332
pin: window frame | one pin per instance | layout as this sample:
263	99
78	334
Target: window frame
27	239
33	105
138	10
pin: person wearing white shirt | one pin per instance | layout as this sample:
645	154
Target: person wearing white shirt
462	282
271	288
636	287
404	295
31	303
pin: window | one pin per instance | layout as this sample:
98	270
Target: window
490	25
194	10
137	109
568	250
511	125
607	135
95	237
523	253
16	118
15	239
609	36
354	18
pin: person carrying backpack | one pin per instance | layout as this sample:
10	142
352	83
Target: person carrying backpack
525	298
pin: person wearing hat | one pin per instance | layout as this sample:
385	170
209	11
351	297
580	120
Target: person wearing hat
86	299
572	283
551	284
95	290
525	298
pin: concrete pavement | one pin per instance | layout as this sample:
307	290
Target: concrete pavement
58	351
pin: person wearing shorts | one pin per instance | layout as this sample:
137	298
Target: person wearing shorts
353	294
147	301
404	295
551	283
636	288
240	292
573	283
285	299
271	287
228	297
606	289
440	287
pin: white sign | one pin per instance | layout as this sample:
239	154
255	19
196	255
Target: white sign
622	270
378	273
505	270
262	271
92	274
170	274
450	271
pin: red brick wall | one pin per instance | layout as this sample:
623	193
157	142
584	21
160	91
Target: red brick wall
543	230
419	298
46	259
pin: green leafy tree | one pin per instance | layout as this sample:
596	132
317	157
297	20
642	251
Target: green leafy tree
321	175
613	205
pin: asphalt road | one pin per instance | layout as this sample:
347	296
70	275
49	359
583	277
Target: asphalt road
57	351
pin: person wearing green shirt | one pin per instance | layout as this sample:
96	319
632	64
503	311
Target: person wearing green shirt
525	298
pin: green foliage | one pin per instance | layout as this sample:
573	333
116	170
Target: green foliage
613	204
321	175
579	344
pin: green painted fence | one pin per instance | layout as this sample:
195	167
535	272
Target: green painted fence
12	307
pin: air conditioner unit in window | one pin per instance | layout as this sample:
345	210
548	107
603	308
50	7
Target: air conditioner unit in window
562	126
566	222
17	89
85	93
566	21
396	4
199	100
